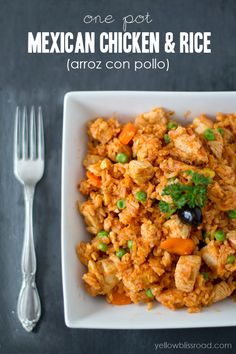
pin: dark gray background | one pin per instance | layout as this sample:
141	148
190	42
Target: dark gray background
43	79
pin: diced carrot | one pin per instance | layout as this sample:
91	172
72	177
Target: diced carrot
120	299
95	180
127	133
178	246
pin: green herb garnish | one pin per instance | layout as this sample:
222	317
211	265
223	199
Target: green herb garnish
199	179
194	194
164	207
167	208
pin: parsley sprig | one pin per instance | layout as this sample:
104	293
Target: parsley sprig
167	208
193	194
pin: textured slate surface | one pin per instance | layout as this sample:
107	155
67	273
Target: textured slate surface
43	79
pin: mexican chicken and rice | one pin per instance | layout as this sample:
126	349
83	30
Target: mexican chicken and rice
161	210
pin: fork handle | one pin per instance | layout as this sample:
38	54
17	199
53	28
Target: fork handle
28	306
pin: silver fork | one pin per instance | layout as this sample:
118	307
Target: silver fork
28	169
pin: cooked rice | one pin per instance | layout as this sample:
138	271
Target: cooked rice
146	272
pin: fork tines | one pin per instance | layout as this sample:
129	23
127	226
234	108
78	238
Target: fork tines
29	137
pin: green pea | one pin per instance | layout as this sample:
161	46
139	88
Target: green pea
121	204
221	131
232	214
130	244
219	235
230	259
209	134
102	247
172	125
121	252
205	275
122	158
166	139
149	293
141	196
102	234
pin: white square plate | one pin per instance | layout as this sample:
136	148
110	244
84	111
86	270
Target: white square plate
82	310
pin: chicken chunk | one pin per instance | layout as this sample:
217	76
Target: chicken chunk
226	173
150	233
210	255
103	130
227	121
166	259
170	165
138	278
231	237
109	271
158	116
221	291
101	277
140	251
91	159
146	147
186	272
216	145
156	265
171	298
175	228
223	196
187	148
216	148
140	171
93	218
84	251
228	136
202	123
